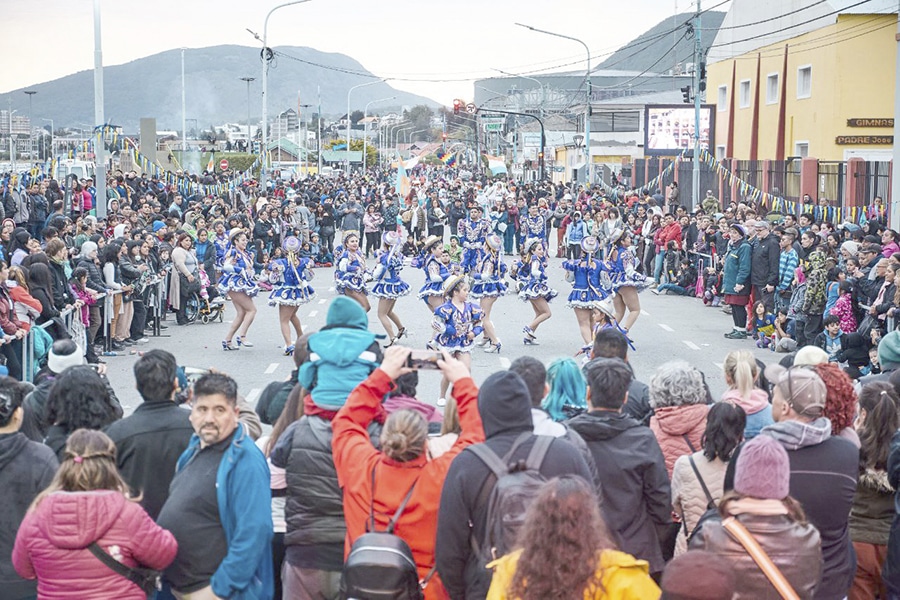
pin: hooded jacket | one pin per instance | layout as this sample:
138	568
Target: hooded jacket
634	483
341	355
26	468
757	408
505	408
670	425
355	459
52	545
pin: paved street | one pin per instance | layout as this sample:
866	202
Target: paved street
670	328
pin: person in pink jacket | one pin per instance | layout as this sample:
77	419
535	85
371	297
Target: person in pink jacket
680	401
88	502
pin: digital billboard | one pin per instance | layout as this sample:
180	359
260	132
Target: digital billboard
669	128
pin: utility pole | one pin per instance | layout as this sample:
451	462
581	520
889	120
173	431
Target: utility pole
248	81
183	113
699	86
319	133
894	214
99	149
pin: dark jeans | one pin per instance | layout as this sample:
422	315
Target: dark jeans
812	328
372	242
140	318
573	251
180	314
671	287
739	315
277	560
13	353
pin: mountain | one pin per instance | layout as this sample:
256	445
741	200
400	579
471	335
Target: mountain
214	93
640	54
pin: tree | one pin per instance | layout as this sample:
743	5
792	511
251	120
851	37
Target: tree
355	117
419	116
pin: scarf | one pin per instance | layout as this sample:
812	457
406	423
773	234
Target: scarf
794	435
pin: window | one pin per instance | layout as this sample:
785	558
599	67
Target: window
745	94
616	121
772	88
720	152
804	81
722	103
801	149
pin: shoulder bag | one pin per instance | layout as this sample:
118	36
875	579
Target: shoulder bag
759	556
146	579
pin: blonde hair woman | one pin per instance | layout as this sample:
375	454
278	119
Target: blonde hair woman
741	372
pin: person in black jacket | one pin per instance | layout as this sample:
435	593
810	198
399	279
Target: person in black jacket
636	498
764	265
26	468
150	440
505	407
611	343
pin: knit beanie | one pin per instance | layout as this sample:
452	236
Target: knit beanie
810	356
504	403
157	225
763	469
889	349
64	354
698	575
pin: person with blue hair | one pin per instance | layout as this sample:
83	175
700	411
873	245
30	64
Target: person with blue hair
566	398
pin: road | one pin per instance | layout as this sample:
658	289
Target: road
670	327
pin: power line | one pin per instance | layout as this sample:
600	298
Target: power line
793	12
775	52
770	33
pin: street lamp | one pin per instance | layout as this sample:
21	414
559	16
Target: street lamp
248	80
12	143
587	118
541	85
366	128
183	111
350	91
264	143
52	148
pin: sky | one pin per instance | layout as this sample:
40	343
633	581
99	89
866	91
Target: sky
438	46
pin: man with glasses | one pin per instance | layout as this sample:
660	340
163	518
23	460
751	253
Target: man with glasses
824	469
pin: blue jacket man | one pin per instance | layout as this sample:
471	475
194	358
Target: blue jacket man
219	504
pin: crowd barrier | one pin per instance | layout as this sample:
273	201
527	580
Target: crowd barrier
157	299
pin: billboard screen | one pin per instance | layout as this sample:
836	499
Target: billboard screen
669	128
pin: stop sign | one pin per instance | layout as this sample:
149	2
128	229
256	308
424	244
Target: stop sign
223	164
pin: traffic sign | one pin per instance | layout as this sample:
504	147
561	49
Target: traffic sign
223	164
493	126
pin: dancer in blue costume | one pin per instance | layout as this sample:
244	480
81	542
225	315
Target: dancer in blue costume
435	273
350	274
457	323
290	277
531	275
472	233
627	283
489	285
388	285
588	277
534	226
238	282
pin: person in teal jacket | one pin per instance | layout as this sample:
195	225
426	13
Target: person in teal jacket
341	356
736	279
226	551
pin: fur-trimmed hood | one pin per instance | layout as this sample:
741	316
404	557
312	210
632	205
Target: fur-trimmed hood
875	480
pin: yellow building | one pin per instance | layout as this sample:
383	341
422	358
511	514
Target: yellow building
814	79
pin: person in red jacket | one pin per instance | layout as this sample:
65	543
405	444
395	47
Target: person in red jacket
670	231
88	502
402	461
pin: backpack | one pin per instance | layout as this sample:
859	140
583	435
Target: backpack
380	565
517	484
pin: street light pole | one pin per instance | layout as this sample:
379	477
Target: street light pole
589	165
99	149
12	143
183	111
52	148
265	67
248	80
30	94
366	127
350	91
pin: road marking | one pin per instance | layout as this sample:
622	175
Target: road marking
313	313
331	289
271	368
645	313
504	362
691	345
323	301
720	365
253	395
666	327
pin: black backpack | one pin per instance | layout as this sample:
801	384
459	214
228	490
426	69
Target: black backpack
517	484
380	565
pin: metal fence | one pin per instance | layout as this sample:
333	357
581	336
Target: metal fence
831	181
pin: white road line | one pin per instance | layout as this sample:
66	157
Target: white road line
504	362
691	345
645	313
253	395
271	368
720	365
313	313
331	289
323	301
666	327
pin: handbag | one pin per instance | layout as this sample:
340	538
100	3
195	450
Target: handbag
188	287
146	579
759	556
